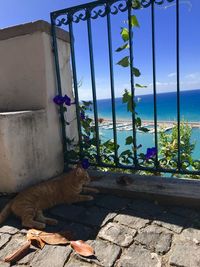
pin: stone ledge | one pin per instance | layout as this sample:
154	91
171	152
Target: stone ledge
20	113
31	27
166	190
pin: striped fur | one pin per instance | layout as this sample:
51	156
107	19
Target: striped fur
29	204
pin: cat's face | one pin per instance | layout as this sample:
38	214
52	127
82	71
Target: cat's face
82	175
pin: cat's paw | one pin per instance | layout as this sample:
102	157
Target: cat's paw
95	190
90	189
51	221
34	224
81	198
90	198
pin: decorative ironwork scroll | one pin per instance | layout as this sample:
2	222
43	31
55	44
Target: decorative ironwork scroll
105	8
98	9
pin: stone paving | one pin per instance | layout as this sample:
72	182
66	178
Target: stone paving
123	232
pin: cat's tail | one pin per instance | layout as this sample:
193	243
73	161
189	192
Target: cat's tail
5	212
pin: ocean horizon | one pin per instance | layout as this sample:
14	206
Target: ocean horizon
166	107
166	111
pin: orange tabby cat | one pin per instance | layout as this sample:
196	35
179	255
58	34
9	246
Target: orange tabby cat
29	204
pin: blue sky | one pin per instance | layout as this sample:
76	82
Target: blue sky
13	12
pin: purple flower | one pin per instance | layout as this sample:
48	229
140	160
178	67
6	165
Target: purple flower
58	100
151	153
85	163
82	115
67	100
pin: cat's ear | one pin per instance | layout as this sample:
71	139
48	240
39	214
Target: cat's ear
79	171
76	166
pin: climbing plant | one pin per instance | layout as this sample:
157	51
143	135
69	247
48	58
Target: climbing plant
92	148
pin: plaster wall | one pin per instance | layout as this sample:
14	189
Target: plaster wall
22	73
30	130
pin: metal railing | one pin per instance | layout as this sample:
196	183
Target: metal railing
105	9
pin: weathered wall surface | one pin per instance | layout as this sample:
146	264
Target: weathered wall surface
30	130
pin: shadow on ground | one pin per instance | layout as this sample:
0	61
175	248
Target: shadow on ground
113	225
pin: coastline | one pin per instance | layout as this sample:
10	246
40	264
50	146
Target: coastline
160	123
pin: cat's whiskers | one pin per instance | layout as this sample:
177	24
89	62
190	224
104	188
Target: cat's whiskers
29	204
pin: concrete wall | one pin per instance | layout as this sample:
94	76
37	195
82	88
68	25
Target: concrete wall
22	73
30	130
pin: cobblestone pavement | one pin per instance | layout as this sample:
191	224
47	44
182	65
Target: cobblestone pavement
123	232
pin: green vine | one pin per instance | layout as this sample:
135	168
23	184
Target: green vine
168	145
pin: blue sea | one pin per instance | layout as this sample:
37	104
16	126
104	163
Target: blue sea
166	111
166	106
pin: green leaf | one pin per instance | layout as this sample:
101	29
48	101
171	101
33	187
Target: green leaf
124	62
72	154
140	86
129	140
136	4
125	34
136	72
87	103
122	47
126	96
130	106
70	141
142	156
134	21
125	153
138	121
143	129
